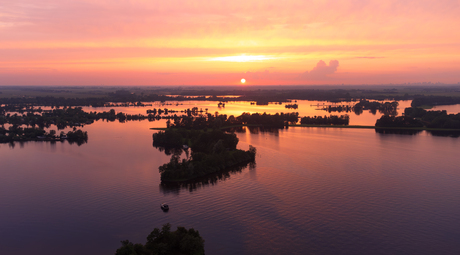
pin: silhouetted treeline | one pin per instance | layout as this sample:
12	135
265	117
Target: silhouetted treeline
291	106
120	96
19	134
434	119
166	242
198	140
400	121
66	117
126	97
14	133
387	108
278	120
331	120
418	117
338	108
434	100
194	111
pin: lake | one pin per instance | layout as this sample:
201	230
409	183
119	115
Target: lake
312	191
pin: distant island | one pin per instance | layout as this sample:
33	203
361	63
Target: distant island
418	118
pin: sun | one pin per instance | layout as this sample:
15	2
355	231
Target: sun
243	80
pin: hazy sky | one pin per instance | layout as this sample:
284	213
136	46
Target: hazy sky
150	42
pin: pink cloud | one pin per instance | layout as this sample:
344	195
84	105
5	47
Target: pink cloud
321	70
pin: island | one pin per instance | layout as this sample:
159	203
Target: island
213	150
165	241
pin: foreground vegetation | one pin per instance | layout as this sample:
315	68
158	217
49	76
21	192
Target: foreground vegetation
165	242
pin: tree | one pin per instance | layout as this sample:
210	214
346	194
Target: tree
165	241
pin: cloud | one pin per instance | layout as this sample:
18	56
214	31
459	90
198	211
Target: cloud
321	70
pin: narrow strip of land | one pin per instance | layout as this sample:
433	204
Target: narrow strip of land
341	126
375	127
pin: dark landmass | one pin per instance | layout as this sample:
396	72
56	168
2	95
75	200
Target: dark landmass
278	120
165	242
418	117
291	106
19	134
205	121
134	96
337	108
387	108
430	101
434	119
438	123
62	118
31	123
402	121
331	120
212	151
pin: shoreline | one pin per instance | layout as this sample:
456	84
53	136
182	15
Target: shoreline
375	127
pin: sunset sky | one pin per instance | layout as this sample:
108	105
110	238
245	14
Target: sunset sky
179	42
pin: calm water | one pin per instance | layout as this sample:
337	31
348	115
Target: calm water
313	191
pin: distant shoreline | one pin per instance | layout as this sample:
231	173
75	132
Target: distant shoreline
374	127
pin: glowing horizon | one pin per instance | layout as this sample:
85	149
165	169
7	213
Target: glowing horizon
242	58
139	42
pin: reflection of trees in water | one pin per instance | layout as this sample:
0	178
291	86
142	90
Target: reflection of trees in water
397	131
235	130
202	182
253	130
78	142
415	132
358	110
444	133
256	130
386	108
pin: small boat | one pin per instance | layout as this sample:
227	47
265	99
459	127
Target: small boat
164	207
